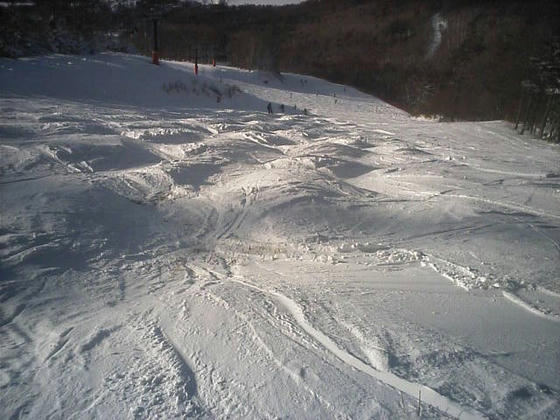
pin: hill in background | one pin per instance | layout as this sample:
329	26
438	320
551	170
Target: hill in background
460	60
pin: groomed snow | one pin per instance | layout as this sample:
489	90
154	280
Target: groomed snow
168	249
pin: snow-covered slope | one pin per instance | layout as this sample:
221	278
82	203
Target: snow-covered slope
170	249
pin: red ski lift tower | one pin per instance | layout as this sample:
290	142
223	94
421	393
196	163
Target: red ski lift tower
155	49
155	17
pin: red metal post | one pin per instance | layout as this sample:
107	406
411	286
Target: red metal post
155	52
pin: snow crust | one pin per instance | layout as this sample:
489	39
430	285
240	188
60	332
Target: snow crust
168	249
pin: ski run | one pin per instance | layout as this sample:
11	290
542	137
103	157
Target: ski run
169	249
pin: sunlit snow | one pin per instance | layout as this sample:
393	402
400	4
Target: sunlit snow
170	249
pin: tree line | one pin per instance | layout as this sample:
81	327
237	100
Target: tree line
465	59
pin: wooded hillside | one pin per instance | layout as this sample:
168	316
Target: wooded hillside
460	59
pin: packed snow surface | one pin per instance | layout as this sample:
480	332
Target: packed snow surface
169	249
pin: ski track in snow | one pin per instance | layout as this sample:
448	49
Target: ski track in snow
414	390
132	203
514	299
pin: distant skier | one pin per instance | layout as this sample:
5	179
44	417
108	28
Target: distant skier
282	108
269	108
